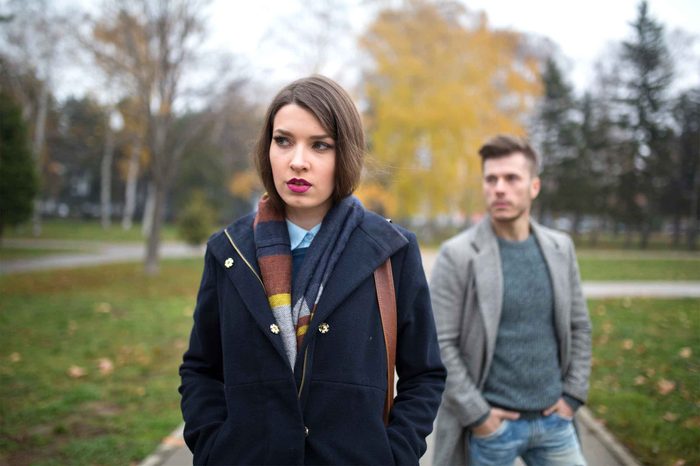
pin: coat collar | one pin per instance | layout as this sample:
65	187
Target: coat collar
234	250
372	242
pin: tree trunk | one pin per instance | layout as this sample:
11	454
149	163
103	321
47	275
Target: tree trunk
147	223
576	225
106	179
131	184
644	235
676	229
152	263
693	220
37	146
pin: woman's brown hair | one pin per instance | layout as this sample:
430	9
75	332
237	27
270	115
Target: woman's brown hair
336	112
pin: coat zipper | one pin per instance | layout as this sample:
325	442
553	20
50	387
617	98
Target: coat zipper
244	259
303	373
306	352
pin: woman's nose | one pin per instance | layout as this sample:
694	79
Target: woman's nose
299	159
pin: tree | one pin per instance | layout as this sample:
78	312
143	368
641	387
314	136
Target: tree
440	82
687	179
218	161
75	149
556	131
646	119
309	44
31	39
18	180
150	45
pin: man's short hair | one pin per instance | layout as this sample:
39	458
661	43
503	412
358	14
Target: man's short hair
503	145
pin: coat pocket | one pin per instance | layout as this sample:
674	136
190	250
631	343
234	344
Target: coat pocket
345	425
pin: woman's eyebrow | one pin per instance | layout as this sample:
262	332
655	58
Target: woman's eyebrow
284	132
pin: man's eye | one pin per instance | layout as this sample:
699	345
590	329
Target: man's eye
281	141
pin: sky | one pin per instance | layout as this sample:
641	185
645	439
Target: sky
257	33
584	30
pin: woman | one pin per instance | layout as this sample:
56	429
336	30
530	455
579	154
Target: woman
287	362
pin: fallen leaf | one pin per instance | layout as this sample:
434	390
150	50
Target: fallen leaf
665	386
15	357
602	409
607	327
651	372
685	352
692	422
628	344
103	308
670	417
105	366
640	380
76	372
680	462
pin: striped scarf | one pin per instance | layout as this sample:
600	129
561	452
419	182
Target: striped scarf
275	260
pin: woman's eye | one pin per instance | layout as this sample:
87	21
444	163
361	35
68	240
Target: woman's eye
281	141
322	146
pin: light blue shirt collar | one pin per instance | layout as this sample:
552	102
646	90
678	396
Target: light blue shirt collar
300	238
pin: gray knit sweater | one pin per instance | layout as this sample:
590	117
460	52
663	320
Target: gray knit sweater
525	373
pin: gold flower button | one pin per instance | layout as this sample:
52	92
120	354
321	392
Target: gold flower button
228	263
324	328
274	329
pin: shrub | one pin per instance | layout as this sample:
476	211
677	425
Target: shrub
195	222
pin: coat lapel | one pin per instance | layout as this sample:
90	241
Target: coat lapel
235	247
557	264
489	282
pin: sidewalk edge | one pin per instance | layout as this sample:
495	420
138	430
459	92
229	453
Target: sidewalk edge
167	447
598	430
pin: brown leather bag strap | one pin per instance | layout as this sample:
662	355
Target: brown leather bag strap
386	297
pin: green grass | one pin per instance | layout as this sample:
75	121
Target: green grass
69	229
657	241
51	322
615	266
645	383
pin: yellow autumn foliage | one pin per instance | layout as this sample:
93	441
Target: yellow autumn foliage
244	183
377	199
441	83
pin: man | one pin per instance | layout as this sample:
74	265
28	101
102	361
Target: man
513	327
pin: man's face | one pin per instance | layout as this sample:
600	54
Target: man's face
509	187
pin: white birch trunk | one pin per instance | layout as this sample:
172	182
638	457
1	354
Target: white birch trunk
131	185
37	145
106	179
147	223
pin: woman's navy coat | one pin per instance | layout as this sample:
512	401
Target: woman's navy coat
241	401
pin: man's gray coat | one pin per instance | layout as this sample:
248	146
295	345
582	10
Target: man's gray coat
466	289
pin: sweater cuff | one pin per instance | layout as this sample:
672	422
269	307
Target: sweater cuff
574	403
481	420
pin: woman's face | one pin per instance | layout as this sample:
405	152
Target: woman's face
302	156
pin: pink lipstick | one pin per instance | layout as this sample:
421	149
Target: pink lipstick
298	185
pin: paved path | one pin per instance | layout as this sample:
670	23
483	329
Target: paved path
600	447
90	253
